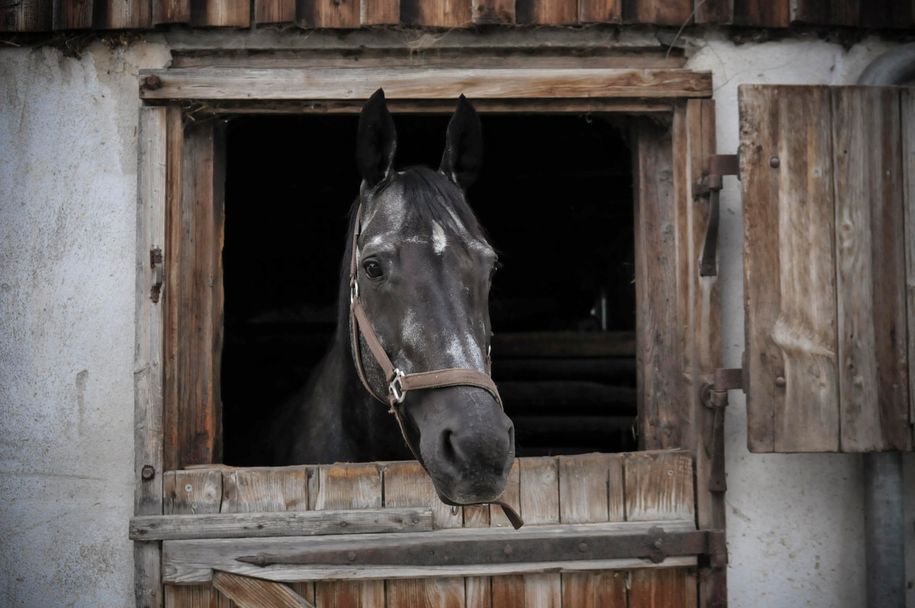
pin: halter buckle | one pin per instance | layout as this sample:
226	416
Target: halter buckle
395	388
353	291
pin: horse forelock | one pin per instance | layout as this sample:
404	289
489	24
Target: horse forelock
420	204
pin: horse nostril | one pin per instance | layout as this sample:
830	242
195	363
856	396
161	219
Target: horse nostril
448	450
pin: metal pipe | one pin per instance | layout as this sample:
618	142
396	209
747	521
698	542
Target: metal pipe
884	515
884	537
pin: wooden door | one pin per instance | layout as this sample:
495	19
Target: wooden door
828	186
215	519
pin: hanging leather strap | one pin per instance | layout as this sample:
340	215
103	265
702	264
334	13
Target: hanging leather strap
400	383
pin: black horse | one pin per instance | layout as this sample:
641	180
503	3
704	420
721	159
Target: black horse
423	273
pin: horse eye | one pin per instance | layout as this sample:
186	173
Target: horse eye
373	269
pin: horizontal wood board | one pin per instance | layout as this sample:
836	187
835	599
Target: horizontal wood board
36	15
291	84
573	490
825	268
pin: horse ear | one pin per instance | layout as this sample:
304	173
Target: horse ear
463	155
376	139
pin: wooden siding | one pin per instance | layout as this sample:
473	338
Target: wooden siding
629	491
193	331
825	217
45	15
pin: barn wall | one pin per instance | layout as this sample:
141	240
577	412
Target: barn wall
67	221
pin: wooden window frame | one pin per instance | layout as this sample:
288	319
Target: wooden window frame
181	159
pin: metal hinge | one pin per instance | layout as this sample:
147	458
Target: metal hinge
715	397
719	166
158	270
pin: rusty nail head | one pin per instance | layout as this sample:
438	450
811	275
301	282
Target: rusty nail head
147	472
774	162
152	82
351	556
508	550
583	547
780	381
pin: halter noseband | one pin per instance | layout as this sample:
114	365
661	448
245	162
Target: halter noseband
400	383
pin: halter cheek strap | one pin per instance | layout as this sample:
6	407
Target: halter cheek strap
400	383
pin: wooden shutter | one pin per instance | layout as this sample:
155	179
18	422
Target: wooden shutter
828	186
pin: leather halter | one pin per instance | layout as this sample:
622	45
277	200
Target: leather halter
400	383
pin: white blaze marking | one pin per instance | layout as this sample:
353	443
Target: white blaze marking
464	353
439	240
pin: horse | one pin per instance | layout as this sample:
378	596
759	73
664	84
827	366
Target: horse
421	266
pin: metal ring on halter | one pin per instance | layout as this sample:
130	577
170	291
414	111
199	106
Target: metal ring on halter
396	388
353	291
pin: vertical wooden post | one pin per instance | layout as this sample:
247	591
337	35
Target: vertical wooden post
148	368
193	411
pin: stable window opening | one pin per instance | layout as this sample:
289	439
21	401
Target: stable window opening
555	196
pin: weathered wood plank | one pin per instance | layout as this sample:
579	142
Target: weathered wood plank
171	11
328	14
406	484
191	561
440	592
173	281
148	367
546	12
381	12
252	490
598	589
826	12
659	486
72	14
600	11
703	335
789	269
440	13
761	13
26	16
908	168
663	588
122	14
590	488
439	57
357	486
511	496
658	12
249	592
493	12
591	491
190	596
192	492
304	523
193	412
539	504
274	11
446	83
719	12
220	13
870	269
662	399
477	589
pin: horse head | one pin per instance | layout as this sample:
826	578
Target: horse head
421	273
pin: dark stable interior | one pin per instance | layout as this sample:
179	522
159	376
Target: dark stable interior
555	196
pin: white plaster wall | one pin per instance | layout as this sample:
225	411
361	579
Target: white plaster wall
67	217
795	521
67	224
